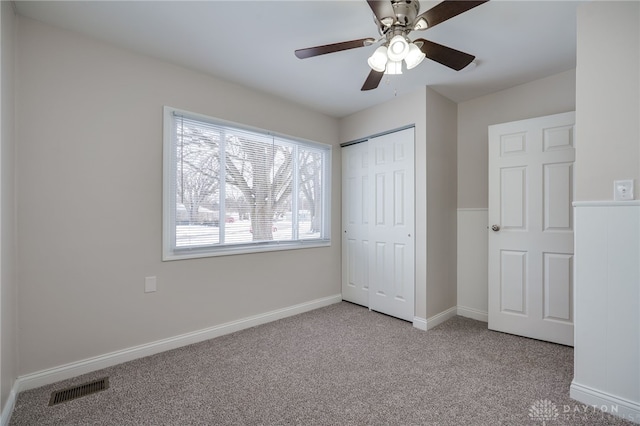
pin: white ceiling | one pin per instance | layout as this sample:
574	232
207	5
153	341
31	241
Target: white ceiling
252	43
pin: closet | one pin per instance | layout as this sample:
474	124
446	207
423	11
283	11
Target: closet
378	222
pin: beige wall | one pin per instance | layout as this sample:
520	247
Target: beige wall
608	99
441	203
8	329
401	111
89	169
547	96
607	238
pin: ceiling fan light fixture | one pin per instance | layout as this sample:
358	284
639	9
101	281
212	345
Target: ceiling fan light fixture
378	60
398	48
395	20
387	22
414	57
393	68
421	24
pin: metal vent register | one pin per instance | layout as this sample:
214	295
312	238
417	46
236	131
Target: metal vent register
79	391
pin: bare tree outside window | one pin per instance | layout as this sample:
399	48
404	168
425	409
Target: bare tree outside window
263	172
197	173
310	186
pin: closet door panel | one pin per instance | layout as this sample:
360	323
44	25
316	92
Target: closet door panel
378	224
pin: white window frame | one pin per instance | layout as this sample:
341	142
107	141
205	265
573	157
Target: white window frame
169	249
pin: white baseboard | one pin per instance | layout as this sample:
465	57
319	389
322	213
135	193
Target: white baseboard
473	209
441	317
628	410
475	314
420	323
67	371
5	416
428	324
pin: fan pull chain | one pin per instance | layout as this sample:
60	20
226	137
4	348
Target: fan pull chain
387	81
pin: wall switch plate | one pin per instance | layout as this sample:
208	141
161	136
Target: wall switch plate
149	284
623	190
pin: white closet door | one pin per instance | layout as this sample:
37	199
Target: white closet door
391	228
355	224
378	220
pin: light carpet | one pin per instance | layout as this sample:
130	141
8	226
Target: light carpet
338	365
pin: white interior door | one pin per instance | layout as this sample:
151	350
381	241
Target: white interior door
378	220
531	227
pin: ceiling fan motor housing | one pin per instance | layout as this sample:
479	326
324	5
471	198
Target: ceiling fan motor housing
406	11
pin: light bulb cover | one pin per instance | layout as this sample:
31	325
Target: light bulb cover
421	24
414	57
387	22
378	60
393	68
398	48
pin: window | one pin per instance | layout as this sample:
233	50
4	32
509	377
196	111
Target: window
231	189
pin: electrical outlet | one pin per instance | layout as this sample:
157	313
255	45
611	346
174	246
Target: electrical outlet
149	284
623	190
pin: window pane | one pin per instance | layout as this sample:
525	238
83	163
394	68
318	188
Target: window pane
310	194
197	183
234	188
258	173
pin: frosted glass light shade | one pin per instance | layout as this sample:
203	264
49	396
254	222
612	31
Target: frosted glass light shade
414	57
421	24
378	60
398	48
393	68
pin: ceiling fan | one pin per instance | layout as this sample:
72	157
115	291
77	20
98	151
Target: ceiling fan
395	20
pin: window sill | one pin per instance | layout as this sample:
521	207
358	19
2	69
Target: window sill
196	253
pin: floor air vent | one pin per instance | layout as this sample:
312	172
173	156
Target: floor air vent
79	391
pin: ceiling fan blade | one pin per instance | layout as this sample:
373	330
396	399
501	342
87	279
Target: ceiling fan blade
383	9
335	47
373	80
447	56
447	9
